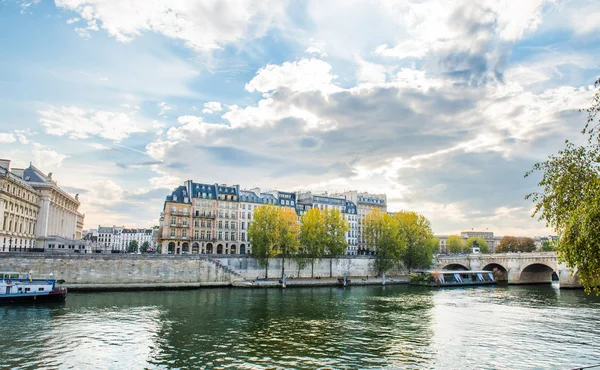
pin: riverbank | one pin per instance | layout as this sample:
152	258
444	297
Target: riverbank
270	283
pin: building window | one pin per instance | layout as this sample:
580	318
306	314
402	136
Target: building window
226	235
220	235
172	233
220	224
184	233
227	224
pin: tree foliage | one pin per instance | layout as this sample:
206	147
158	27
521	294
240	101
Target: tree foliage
273	231
132	247
420	242
515	244
568	200
384	234
145	246
477	242
336	227
322	233
456	244
548	246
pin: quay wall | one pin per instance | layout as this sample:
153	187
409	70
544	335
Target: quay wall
172	271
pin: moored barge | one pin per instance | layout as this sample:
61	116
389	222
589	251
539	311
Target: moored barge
450	278
18	287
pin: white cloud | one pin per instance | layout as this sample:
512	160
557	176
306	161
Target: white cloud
78	123
44	157
7	138
303	75
201	25
212	107
164	108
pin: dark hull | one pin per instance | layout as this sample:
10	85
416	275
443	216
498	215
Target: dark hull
56	296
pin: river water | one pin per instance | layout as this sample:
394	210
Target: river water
537	327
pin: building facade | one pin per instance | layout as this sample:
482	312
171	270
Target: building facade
117	238
35	210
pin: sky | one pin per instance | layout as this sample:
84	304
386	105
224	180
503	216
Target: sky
442	105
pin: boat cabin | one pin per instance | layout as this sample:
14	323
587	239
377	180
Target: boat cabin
443	278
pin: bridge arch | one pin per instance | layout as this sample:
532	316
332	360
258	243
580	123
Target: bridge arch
536	273
500	272
456	266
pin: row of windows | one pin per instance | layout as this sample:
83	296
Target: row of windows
18	226
14	207
206	235
21	193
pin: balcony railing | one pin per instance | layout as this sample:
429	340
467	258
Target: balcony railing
200	215
178	225
183	214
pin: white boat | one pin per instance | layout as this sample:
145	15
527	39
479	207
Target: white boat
22	287
448	278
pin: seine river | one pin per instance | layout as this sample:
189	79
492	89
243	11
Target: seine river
407	327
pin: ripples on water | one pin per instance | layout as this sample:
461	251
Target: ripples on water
357	327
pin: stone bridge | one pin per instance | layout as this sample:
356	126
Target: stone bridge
515	268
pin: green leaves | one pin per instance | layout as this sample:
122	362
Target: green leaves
323	232
569	201
406	236
273	231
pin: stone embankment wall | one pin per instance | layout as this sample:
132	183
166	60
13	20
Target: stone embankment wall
171	271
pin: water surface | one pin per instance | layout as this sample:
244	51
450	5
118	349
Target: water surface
408	327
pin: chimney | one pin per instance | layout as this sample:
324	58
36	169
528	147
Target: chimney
5	163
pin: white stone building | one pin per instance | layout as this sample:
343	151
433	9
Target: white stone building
34	209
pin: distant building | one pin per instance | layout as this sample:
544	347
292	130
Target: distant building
117	238
487	235
34	210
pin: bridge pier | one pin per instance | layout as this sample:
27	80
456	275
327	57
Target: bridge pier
567	279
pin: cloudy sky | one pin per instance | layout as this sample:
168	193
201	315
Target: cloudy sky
443	105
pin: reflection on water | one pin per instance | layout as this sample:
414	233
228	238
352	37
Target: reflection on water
357	327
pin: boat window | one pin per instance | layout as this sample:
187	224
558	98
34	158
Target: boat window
27	289
41	289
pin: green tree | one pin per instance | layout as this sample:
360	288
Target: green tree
477	242
273	232
384	234
569	200
132	247
288	230
145	246
312	236
456	244
336	227
159	249
420	242
548	246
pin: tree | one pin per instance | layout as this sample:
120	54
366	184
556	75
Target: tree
145	246
515	244
132	247
420	242
548	246
312	236
336	227
273	231
323	233
456	244
477	242
384	234
288	230
568	200
262	232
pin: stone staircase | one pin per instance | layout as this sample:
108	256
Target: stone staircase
225	268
